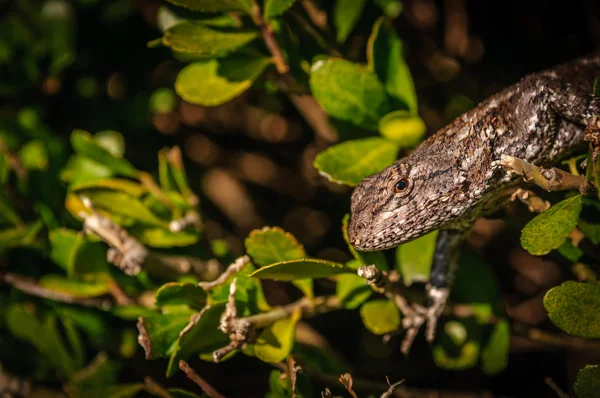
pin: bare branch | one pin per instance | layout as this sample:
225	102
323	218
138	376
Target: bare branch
559	392
555	340
156	389
30	286
390	391
195	377
234	268
269	38
552	179
292	372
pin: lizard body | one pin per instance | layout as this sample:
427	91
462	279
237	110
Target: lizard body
453	177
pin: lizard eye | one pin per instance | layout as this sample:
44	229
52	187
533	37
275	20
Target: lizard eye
402	185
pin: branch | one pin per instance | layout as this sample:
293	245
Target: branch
552	179
234	268
243	330
555	340
267	32
30	286
195	377
559	392
316	15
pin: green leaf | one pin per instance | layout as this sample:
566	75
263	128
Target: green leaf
59	283
62	241
120	203
403	128
44	336
87	257
590	230
300	269
201	335
351	161
414	258
587	383
274	8
196	38
163	238
362	103
385	56
494	356
7	213
275	342
84	144
549	230
112	141
179	393
458	348
574	307
34	155
214	82
271	245
346	14
569	251
20	236
158	332
213	6
115	184
364	258
352	290
79	169
380	316
181	293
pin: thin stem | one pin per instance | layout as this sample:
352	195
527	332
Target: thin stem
269	38
195	377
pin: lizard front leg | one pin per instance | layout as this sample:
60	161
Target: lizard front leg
443	271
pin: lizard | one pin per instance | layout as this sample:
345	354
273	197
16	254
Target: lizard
455	176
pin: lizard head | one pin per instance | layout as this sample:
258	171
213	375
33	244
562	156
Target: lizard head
403	202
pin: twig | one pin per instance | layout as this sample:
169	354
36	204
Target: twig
267	32
234	268
243	330
119	294
125	252
559	392
552	179
30	286
192	218
555	340
195	377
292	372
534	203
316	15
315	116
390	391
156	389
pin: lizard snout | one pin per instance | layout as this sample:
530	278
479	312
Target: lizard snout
356	231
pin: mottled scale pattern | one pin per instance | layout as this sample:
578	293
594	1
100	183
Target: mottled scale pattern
453	175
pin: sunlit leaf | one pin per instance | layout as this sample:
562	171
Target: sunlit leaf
197	38
214	82
574	307
404	129
549	230
385	55
213	6
274	8
494	356
414	258
161	237
587	383
346	14
74	288
352	290
84	144
34	155
117	184
380	316
301	269
351	161
275	342
361	103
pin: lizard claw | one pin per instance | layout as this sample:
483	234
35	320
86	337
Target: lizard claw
417	315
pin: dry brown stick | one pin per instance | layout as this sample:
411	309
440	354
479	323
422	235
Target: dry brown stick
30	286
316	15
195	377
156	389
559	392
269	38
292	372
234	268
555	340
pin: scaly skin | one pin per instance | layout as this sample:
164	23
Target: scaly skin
454	177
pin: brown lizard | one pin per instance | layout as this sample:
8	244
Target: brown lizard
455	176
